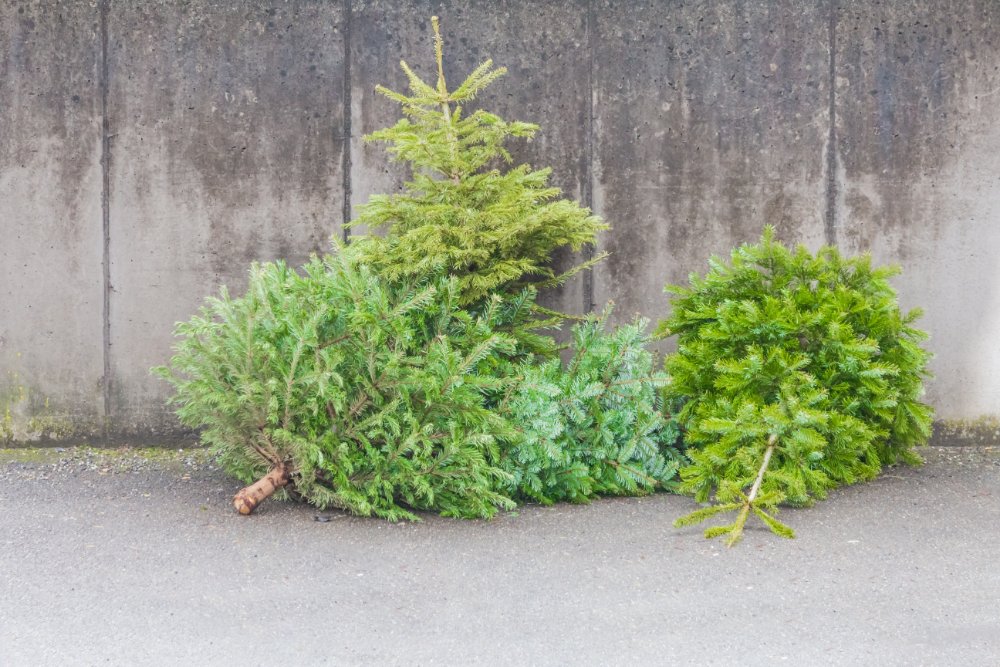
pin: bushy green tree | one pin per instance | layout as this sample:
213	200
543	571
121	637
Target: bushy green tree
462	215
592	426
354	392
408	371
797	374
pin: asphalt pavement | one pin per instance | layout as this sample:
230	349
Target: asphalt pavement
129	559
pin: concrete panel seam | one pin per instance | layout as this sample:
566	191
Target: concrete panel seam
346	146
587	178
106	209
831	149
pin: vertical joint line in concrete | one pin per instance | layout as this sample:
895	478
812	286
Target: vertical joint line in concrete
346	150
106	208
587	179
831	150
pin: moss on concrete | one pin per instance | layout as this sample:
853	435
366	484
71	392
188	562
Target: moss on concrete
28	418
52	427
981	431
105	458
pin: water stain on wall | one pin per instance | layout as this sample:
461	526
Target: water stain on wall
229	143
711	118
50	224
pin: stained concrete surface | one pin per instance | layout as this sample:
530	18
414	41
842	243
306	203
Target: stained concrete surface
688	126
51	243
226	150
119	562
919	176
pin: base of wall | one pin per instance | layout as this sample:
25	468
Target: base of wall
67	432
981	432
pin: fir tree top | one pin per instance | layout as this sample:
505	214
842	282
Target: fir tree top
495	230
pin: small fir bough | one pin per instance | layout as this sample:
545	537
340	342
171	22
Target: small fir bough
797	373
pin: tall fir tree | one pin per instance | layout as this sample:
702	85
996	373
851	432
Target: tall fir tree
463	214
407	371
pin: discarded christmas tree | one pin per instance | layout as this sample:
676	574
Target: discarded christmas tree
461	214
797	374
348	391
592	426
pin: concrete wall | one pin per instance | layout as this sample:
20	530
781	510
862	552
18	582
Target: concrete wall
51	235
150	150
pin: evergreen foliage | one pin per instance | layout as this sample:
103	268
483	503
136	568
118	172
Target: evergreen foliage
370	394
461	215
593	426
806	358
407	371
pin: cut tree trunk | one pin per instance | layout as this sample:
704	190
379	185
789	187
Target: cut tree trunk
248	498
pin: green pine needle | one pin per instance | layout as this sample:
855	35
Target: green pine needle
704	513
776	526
